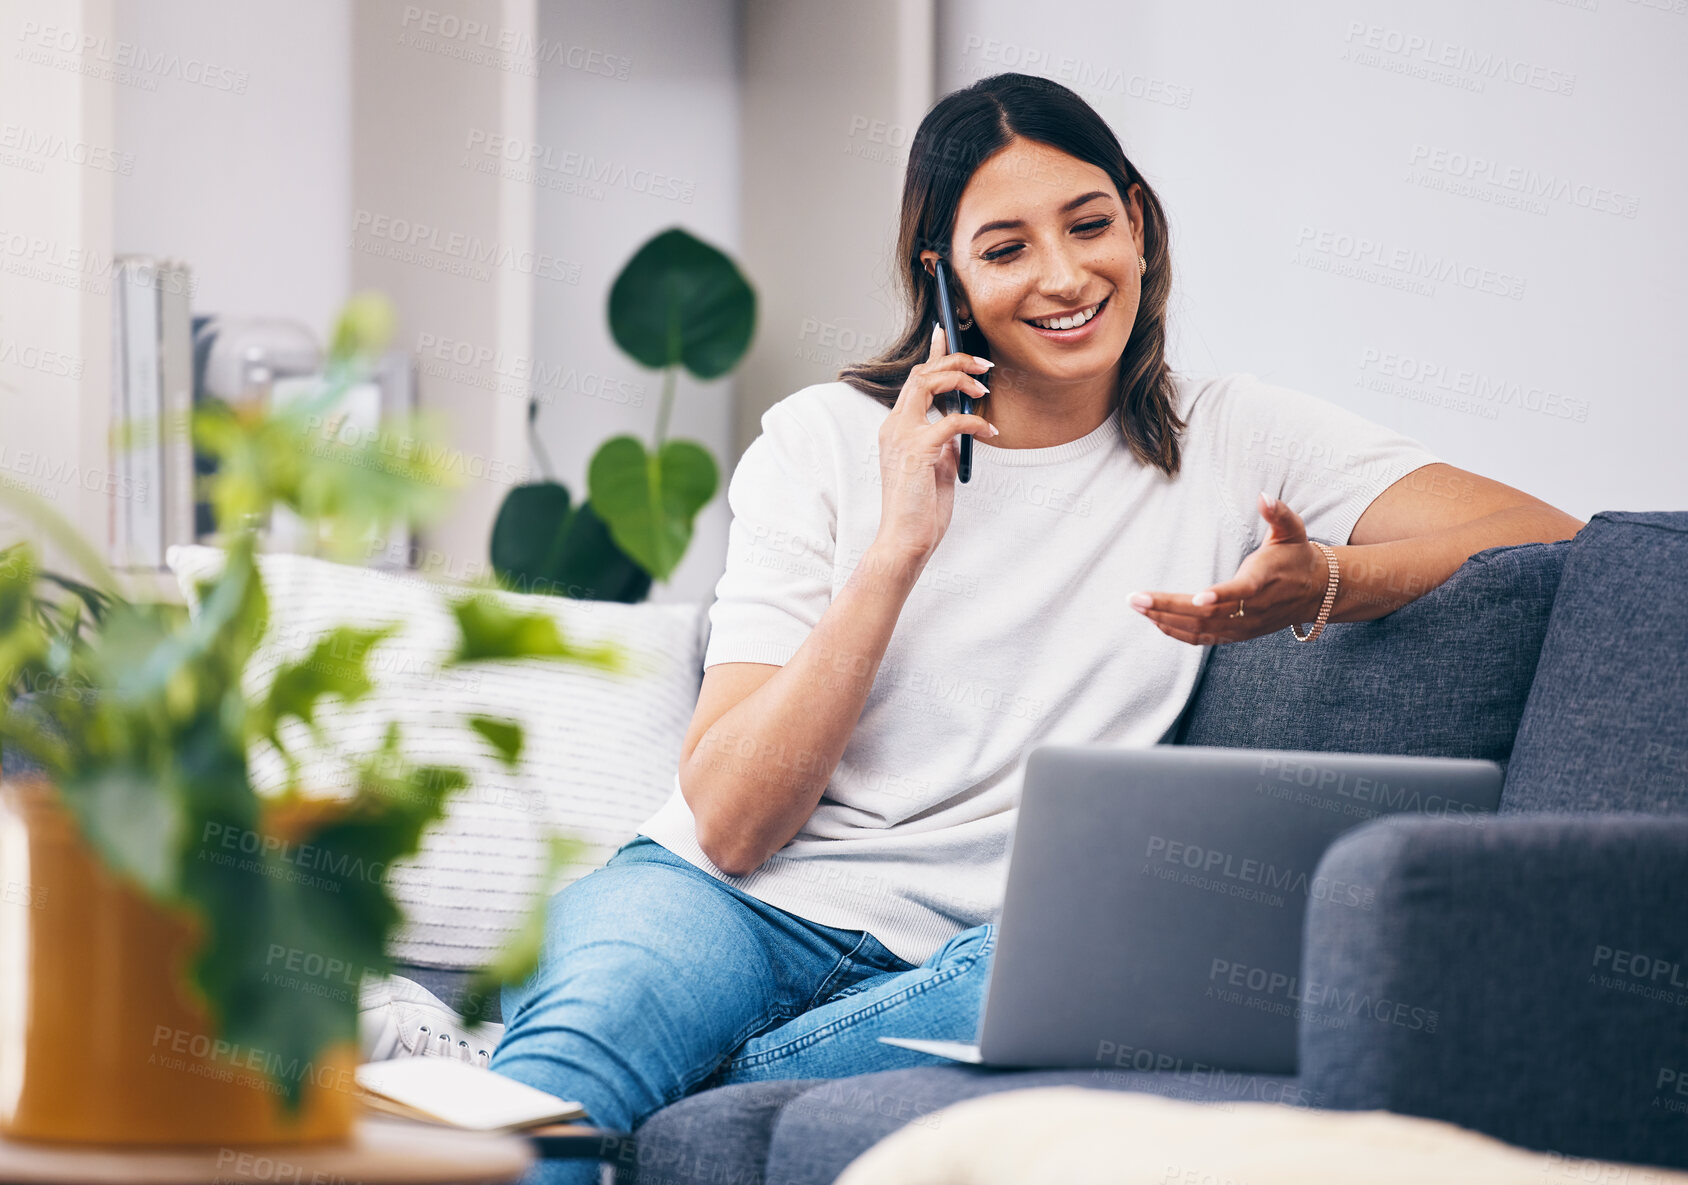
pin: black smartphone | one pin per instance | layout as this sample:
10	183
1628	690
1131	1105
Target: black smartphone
952	339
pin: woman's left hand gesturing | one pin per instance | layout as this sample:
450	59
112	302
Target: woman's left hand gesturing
1280	583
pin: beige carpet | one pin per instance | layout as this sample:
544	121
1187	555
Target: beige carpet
1069	1135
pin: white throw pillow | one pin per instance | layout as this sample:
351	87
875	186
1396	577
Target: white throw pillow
600	755
1071	1135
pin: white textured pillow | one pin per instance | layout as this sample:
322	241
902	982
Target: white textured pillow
1072	1135
600	754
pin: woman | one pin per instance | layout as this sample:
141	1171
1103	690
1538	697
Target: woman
886	645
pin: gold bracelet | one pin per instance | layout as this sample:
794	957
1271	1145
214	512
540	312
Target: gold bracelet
1330	597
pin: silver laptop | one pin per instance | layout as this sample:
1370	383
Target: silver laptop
1155	900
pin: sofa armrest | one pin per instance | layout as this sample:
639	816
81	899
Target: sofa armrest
1522	975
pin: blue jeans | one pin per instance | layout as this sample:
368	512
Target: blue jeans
657	980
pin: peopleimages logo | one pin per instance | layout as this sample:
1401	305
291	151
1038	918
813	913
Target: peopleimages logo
528	377
542	160
1529	183
218	839
218	1058
1408	262
447	30
92	51
470	249
1385	370
1323	997
981	55
52	146
53	472
942	686
1651	976
30	357
1212	862
1428	53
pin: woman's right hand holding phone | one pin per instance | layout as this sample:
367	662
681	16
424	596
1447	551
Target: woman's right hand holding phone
917	459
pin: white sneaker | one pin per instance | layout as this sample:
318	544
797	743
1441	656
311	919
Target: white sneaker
398	1017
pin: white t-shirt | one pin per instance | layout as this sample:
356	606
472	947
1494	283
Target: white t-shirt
1017	633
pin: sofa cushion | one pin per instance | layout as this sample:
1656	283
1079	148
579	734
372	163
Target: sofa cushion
1525	979
1445	675
823	1129
1606	725
716	1135
600	753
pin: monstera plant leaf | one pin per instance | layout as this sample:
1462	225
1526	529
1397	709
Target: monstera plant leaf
543	544
681	302
649	502
527	536
678	303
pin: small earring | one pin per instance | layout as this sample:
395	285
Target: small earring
1142	266
967	324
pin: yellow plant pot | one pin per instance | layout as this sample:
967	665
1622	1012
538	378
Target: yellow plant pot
102	1041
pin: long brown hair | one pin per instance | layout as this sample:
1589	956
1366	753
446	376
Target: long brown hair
955	138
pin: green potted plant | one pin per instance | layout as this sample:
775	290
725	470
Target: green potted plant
142	1010
678	302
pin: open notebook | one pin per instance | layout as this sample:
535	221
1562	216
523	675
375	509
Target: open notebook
455	1094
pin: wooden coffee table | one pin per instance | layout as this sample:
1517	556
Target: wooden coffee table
380	1152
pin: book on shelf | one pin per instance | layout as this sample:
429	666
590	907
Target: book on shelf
152	393
204	465
175	368
139	404
117	464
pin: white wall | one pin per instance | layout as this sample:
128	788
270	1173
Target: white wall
57	170
1276	147
663	142
241	164
452	245
1279	140
831	94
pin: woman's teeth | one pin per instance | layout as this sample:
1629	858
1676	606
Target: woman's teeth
1072	322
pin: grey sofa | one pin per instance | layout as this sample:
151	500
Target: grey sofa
1550	946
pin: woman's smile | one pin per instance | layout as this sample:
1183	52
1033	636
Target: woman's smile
1077	333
